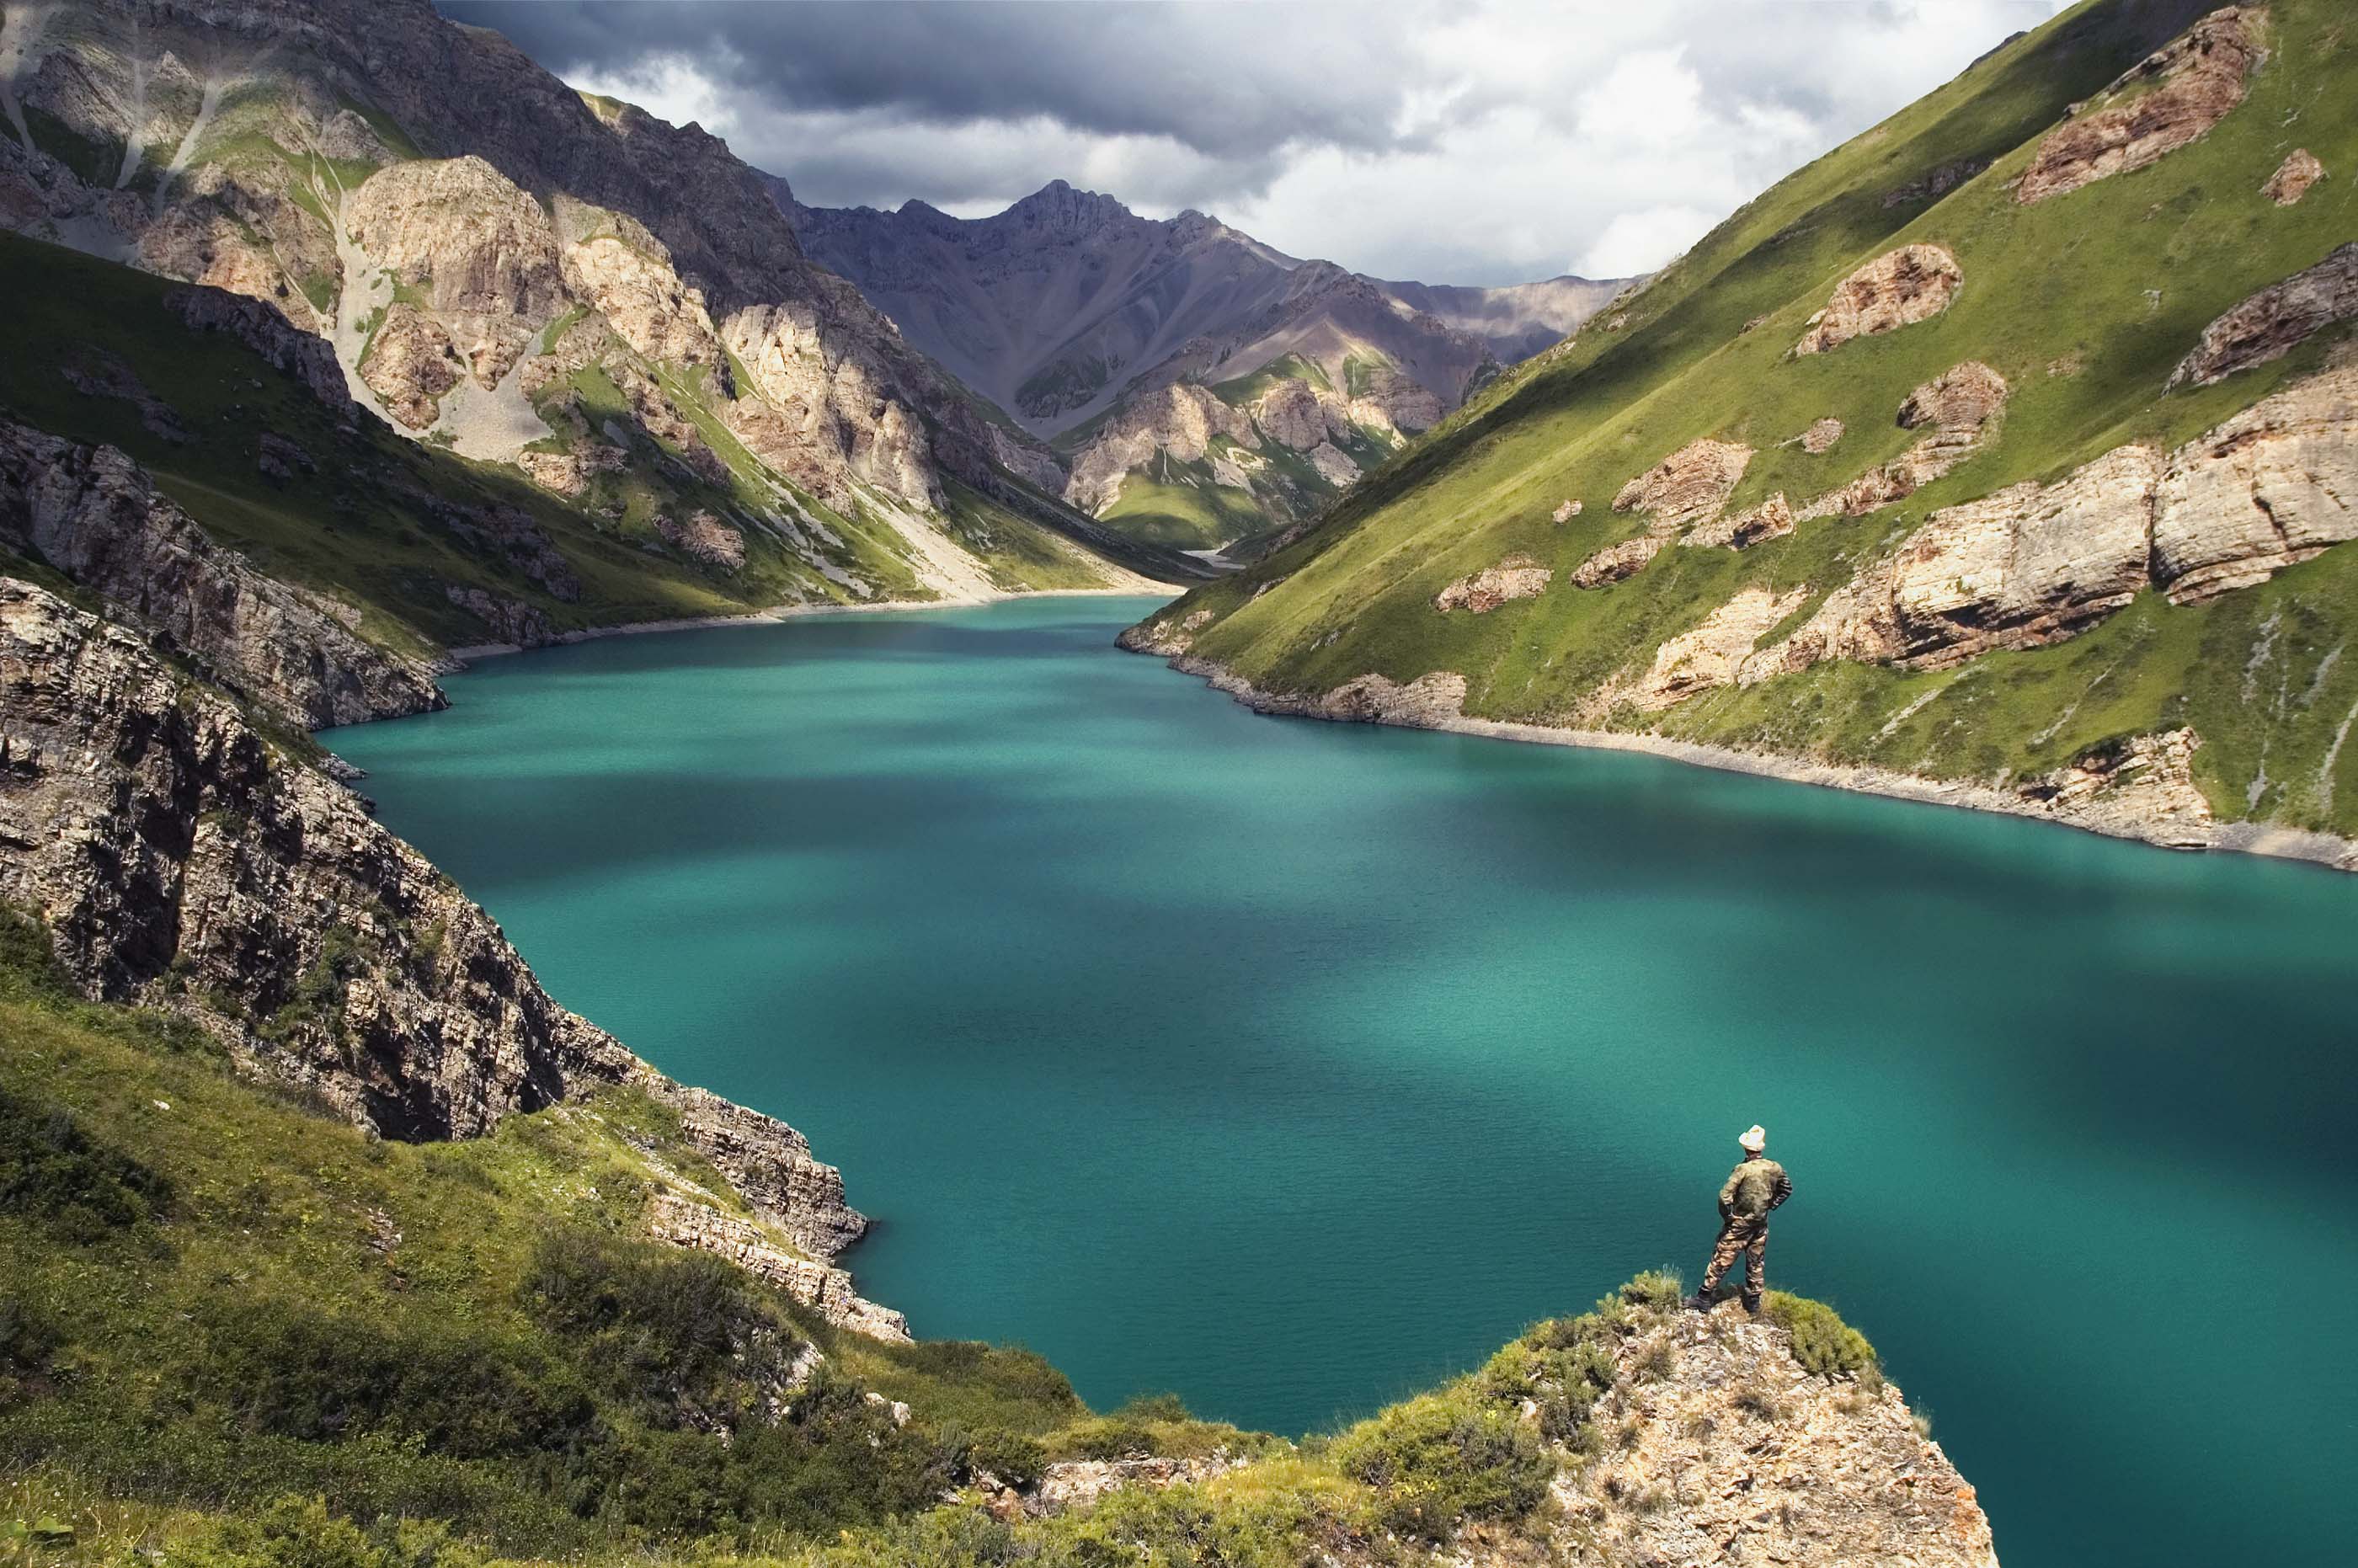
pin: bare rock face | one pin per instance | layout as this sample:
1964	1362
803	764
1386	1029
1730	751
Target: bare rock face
1688	485
1960	405
1709	656
1772	519
478	247
1935	182
2293	177
1565	511
1290	415
2143	784
2177	93
2274	321
1735	1443
684	1222
1896	289
1181	419
569	473
509	621
1516	577
259	326
1616	562
2270	488
95	515
1168	637
624	273
1821	435
178	859
705	538
411	364
1334	465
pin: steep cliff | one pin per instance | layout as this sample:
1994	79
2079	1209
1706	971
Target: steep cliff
2006	452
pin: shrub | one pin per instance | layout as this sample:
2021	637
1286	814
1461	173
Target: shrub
1444	1458
1822	1343
1015	1459
50	1167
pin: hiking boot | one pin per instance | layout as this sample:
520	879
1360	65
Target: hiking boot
1699	1302
1752	1303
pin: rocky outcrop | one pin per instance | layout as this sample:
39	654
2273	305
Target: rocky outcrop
1616	562
1688	485
1961	405
1707	656
612	263
2142	786
1565	511
180	859
1772	519
95	515
2275	320
411	364
1896	289
705	538
1934	182
1731	1453
1181	419
1082	1484
2168	100
1820	436
1290	415
2267	489
570	473
1516	576
2293	177
259	326
685	1222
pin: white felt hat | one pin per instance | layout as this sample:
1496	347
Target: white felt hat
1754	1139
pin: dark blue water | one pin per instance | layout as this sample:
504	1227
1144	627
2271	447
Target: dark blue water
1291	1066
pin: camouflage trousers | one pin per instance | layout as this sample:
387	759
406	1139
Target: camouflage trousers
1749	1237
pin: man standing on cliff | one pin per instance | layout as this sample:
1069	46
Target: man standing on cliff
1756	1186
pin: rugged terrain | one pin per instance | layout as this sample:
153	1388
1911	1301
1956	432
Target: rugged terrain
599	310
1176	361
1999	457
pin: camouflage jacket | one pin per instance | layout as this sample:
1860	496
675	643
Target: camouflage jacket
1753	1189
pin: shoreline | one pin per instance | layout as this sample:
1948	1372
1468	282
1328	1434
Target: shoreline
2323	850
777	615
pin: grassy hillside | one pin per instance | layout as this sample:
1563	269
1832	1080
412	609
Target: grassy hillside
234	1331
2082	302
372	522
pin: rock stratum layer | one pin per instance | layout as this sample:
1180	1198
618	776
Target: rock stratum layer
1983	492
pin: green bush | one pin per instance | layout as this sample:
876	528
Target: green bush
1444	1458
50	1168
1823	1342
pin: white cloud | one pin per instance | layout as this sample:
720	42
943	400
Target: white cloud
1524	138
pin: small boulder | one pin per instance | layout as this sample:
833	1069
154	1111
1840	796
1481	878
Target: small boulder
2293	177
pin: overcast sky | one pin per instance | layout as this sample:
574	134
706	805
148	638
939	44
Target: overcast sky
1460	143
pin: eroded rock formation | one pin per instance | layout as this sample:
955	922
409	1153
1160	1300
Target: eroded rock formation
2170	98
2270	488
2275	320
1688	485
1896	289
2293	177
95	515
1516	576
1616	562
1960	405
685	1222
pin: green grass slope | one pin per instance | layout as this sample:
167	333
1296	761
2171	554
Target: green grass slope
2083	302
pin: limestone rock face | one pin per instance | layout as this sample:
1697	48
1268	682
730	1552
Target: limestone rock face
178	859
410	364
1290	415
1896	289
569	473
1688	485
624	273
2187	86
2271	323
1821	435
1617	561
260	327
1707	656
2268	488
1960	405
1736	1444
1772	519
478	247
2293	177
1181	419
1516	577
2144	784
684	1222
2025	566
1565	511
95	515
707	538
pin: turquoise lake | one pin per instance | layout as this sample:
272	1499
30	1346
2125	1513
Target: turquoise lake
1293	1066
